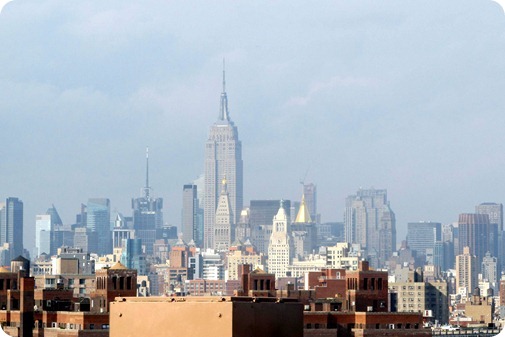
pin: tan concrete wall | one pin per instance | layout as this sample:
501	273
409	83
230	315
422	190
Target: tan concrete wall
205	317
177	319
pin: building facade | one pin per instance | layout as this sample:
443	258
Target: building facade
224	224
422	236
190	229
476	233
280	249
466	272
223	158
370	222
147	214
11	226
98	221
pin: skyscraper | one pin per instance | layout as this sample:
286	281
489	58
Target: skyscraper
43	234
223	158
422	236
280	248
11	225
495	213
370	222
224	225
60	235
98	221
466	272
474	232
303	231
261	214
310	195
147	214
189	213
147	211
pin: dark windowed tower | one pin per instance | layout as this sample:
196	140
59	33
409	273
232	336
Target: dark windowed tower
11	225
98	221
147	214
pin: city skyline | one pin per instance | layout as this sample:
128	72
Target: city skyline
366	110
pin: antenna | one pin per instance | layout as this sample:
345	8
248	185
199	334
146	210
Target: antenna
147	188
224	76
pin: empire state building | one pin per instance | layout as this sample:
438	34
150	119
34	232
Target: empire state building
223	160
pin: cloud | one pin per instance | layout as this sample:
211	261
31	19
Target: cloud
399	95
332	84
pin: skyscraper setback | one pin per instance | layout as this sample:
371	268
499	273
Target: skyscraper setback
223	160
370	222
147	214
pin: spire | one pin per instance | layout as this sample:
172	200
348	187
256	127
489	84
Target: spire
303	215
224	114
224	77
147	189
224	186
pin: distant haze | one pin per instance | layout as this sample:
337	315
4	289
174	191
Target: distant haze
403	95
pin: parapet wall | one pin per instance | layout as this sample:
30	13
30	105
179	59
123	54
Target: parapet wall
206	317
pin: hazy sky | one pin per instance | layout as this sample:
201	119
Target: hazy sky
403	95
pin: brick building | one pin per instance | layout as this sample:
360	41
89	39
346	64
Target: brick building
113	282
358	324
360	290
56	311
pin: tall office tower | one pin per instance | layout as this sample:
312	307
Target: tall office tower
474	232
11	225
303	231
310	195
495	213
280	249
223	158
147	214
443	255
224	226
369	221
243	228
122	230
261	213
190	230
85	239
489	270
133	257
387	234
43	234
466	272
98	220
200	193
60	235
423	235
55	216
